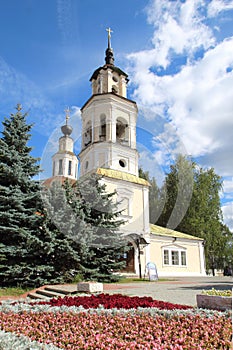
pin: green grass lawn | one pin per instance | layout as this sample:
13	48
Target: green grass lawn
14	291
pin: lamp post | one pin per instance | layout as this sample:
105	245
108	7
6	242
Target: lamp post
140	243
139	258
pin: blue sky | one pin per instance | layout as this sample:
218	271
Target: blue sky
179	57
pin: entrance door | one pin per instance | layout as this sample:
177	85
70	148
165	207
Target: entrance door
129	260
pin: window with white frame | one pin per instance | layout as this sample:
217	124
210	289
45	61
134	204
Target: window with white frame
174	256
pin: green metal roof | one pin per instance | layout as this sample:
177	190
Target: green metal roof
164	231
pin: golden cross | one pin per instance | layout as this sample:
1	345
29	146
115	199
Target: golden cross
109	32
109	37
67	111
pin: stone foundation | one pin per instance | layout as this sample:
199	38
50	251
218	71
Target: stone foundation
90	287
214	302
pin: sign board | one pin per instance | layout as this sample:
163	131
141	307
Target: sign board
152	271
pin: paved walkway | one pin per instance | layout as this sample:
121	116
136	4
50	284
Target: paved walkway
180	290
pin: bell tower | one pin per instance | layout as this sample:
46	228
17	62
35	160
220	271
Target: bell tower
109	149
109	121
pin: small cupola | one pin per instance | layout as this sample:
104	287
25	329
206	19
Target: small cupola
66	143
65	162
109	78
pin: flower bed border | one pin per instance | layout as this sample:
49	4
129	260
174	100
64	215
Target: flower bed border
214	302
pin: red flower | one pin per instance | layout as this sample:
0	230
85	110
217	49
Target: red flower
108	301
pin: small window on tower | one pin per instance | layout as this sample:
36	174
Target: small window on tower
60	170
69	167
102	135
115	79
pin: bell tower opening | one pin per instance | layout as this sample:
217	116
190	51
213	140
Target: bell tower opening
88	134
122	134
102	134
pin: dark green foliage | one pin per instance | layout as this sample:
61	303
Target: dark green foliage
19	198
87	219
33	251
177	190
156	196
50	235
101	244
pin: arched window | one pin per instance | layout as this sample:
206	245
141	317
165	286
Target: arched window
122	131
60	169
102	134
88	134
70	167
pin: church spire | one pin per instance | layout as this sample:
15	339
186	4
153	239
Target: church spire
109	59
65	162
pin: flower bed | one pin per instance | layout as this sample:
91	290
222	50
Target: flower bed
78	327
221	293
117	301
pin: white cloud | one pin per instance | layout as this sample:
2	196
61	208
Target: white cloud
217	6
227	210
228	186
198	100
178	27
201	102
194	98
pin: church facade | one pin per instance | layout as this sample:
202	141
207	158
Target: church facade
109	148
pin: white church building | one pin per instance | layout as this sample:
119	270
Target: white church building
109	148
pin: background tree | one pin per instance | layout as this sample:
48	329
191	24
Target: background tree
204	216
193	206
156	196
177	189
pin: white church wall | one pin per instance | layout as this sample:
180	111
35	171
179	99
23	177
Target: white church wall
136	221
